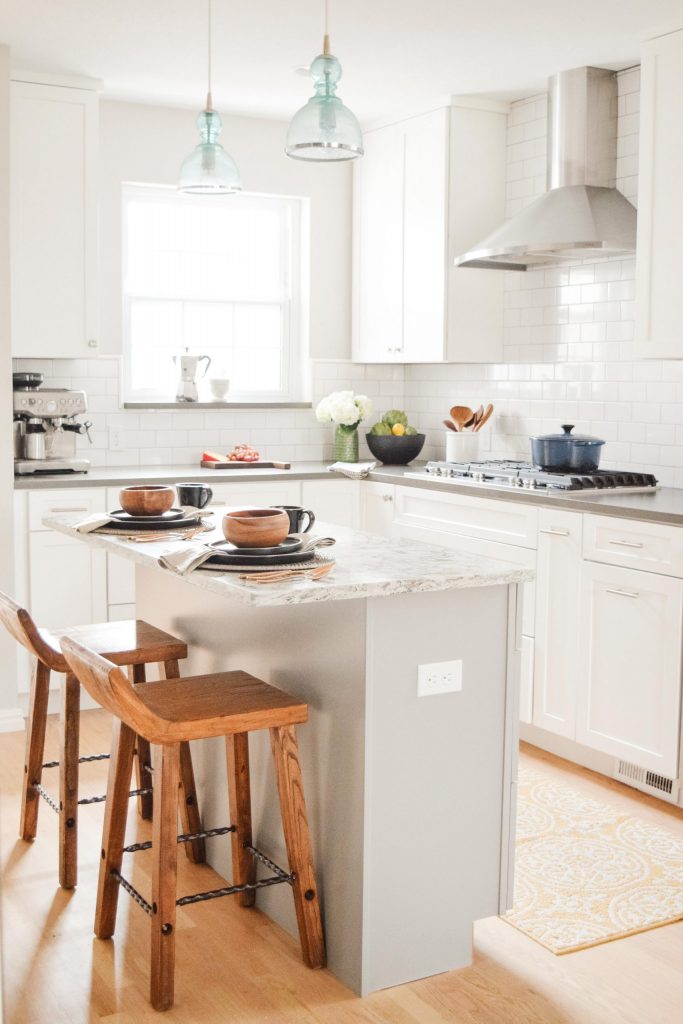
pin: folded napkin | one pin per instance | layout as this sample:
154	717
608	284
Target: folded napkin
94	522
187	558
354	470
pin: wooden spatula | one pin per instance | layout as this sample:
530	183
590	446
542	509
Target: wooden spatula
461	414
488	412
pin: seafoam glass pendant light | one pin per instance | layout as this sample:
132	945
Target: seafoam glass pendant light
209	170
324	129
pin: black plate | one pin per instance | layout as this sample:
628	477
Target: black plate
285	547
166	517
153	523
237	558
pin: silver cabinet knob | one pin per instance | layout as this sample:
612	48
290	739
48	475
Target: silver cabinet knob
92	343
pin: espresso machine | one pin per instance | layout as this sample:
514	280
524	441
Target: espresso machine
45	427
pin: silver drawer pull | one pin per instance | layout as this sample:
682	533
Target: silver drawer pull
627	543
387	497
556	533
72	508
621	593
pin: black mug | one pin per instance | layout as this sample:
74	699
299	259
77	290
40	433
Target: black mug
194	495
296	515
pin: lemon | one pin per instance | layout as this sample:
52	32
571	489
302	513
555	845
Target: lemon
398	429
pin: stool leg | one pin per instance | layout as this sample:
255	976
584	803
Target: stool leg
144	759
239	792
164	869
35	747
68	781
188	803
298	841
114	830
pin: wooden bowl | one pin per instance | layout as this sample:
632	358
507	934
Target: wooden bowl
146	499
256	527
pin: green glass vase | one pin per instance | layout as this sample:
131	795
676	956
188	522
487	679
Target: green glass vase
346	443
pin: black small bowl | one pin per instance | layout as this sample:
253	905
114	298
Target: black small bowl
395	451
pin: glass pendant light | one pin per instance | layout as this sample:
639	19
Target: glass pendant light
209	170
324	129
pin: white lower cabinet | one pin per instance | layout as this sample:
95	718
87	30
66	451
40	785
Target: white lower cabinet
629	663
334	501
377	505
558	563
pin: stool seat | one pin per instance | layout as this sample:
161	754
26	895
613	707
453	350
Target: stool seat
129	642
219	704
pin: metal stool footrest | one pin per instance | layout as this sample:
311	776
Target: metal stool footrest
186	837
277	878
81	760
51	802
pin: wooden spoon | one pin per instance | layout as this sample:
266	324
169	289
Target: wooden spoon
451	425
485	417
461	414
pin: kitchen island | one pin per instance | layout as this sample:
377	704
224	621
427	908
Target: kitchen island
411	799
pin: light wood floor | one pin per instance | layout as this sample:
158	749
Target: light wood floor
234	965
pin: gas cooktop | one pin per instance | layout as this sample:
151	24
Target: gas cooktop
523	475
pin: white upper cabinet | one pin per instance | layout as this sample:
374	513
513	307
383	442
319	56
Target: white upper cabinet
427	188
53	169
659	267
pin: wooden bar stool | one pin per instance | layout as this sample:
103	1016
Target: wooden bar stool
168	713
130	644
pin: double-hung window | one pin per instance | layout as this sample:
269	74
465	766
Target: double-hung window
225	277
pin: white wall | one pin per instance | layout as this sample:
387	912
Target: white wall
8	685
148	144
568	355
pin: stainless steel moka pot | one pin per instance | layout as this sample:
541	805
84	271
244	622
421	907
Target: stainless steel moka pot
46	428
187	385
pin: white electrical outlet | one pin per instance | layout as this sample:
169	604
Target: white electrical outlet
439	677
116	439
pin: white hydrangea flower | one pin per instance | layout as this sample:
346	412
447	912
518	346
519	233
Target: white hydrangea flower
343	408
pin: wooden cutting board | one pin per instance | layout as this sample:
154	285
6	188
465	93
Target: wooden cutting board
245	465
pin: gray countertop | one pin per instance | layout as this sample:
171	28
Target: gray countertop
664	505
366	566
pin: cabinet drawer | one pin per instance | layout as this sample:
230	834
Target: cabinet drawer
260	492
626	542
75	499
503	521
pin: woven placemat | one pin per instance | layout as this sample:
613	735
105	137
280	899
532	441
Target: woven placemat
160	535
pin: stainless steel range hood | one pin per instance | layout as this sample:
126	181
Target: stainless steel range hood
582	215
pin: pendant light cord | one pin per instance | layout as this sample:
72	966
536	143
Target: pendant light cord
209	101
326	36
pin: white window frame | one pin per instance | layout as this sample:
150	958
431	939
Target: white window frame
295	322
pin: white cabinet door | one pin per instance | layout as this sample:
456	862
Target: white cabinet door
378	247
120	574
425	213
333	501
67	581
556	647
659	309
53	175
377	507
629	656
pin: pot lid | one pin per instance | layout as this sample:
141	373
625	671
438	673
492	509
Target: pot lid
568	436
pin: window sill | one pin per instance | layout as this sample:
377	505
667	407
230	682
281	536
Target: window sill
217	405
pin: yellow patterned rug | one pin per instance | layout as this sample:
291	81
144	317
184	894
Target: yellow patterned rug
587	874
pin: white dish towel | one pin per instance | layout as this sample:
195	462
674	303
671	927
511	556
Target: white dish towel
354	470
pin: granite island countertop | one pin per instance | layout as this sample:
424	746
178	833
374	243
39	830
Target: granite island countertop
366	566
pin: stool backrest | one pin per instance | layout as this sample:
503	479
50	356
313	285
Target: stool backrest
22	627
110	687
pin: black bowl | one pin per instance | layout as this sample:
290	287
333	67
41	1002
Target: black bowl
395	451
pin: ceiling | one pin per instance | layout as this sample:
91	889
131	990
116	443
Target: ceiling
396	54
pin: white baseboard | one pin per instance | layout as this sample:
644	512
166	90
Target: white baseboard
11	720
570	750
